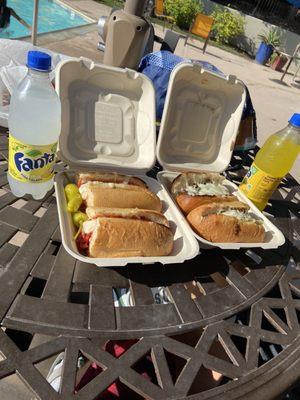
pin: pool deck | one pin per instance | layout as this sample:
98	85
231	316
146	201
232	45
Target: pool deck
274	102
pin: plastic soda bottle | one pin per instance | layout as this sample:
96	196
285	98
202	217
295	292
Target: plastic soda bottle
34	127
273	161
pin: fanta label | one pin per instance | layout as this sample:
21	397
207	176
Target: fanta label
30	163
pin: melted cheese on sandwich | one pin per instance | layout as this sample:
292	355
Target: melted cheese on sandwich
83	190
241	215
207	189
89	226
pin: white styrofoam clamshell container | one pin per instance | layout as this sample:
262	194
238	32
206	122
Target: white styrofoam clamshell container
185	245
198	131
108	117
201	119
274	237
108	123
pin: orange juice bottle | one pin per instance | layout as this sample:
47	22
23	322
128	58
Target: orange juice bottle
273	161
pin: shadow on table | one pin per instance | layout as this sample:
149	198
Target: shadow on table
205	264
215	266
282	210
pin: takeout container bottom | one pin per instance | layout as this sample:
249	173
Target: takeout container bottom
185	245
274	237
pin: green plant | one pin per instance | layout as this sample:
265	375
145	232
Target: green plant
274	57
226	25
183	11
272	37
277	57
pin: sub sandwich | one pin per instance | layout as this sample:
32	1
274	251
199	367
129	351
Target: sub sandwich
108	177
192	190
116	191
125	233
227	222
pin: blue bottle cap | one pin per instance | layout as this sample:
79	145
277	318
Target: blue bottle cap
39	61
295	120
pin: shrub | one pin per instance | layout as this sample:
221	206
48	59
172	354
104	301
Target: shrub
183	11
273	37
226	25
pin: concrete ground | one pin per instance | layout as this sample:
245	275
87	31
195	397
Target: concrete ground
273	101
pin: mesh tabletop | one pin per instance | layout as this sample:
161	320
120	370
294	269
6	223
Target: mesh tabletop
233	312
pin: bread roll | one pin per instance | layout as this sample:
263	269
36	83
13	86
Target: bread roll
180	183
126	237
193	189
188	203
227	223
108	177
118	195
132	213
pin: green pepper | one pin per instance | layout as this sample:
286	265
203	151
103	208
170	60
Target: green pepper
73	197
74	204
71	190
79	218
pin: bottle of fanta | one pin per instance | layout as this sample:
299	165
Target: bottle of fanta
273	161
34	127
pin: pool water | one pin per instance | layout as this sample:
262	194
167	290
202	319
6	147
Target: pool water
53	16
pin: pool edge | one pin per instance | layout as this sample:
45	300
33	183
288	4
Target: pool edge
77	11
39	35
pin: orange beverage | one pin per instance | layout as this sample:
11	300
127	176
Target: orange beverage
273	161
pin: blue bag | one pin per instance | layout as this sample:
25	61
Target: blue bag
159	66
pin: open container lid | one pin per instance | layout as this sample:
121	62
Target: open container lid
201	119
108	117
108	121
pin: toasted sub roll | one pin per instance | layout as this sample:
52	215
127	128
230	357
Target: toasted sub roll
180	183
132	213
227	223
188	203
127	237
119	195
193	189
108	177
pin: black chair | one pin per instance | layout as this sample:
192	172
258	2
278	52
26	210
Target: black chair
170	41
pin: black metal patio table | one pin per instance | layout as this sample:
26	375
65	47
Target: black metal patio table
244	303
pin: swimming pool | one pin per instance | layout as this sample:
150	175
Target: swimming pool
53	16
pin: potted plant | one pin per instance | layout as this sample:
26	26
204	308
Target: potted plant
269	41
278	61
